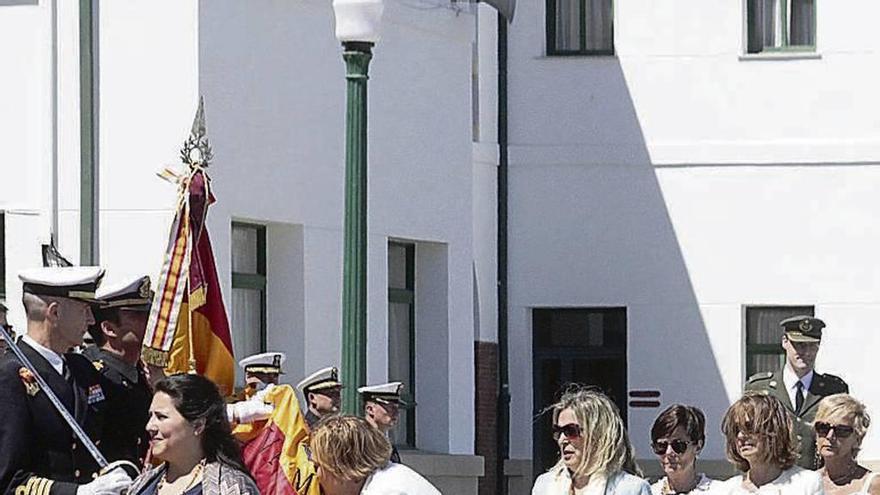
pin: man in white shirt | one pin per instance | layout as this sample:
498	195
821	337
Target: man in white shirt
797	384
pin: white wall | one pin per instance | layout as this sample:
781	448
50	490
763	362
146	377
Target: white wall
684	181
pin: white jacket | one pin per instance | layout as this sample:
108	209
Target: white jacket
557	481
397	479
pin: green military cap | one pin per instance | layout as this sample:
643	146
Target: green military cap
803	328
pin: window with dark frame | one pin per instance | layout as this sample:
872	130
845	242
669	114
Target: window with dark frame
780	25
402	335
580	27
248	292
764	351
2	255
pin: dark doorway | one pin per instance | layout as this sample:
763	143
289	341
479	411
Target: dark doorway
574	345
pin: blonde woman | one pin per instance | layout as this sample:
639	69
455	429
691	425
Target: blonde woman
761	444
841	423
596	457
352	457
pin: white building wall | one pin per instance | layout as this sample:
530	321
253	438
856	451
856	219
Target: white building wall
684	180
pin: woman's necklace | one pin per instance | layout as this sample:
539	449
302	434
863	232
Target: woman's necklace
194	477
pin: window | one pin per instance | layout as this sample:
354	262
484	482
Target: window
248	292
764	336
2	255
775	25
401	334
580	27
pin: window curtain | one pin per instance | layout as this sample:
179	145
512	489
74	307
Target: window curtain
599	25
568	32
802	31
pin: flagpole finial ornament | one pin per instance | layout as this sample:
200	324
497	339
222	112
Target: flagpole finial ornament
196	151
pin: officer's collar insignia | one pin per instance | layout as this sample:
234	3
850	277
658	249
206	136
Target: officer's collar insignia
805	326
29	381
773	383
96	394
99	364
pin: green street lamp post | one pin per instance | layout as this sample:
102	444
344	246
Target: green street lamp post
357	27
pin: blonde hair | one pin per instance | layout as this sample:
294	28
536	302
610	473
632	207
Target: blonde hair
760	414
845	406
606	447
349	448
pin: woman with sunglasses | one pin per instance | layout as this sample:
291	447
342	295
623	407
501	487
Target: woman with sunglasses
761	444
677	437
596	456
841	423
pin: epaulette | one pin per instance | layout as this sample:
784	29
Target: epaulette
836	380
764	375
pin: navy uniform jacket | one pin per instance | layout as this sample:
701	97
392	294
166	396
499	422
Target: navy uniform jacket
39	453
821	386
124	435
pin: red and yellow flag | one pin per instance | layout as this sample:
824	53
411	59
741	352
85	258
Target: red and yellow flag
188	330
276	450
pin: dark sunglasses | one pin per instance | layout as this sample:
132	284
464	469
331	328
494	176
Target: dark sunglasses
571	430
840	431
678	446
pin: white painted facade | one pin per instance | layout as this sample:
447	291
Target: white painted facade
272	76
684	181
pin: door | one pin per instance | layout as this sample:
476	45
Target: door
574	345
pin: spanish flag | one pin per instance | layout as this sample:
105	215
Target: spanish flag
187	330
276	450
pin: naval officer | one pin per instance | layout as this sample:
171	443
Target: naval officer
39	454
121	315
797	384
382	409
322	391
261	373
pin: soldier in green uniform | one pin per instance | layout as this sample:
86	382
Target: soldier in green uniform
797	384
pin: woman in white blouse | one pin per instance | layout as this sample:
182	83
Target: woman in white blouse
841	423
677	438
596	457
761	443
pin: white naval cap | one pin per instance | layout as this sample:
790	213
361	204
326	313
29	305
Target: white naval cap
320	380
74	282
131	293
385	393
266	362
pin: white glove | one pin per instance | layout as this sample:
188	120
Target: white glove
261	394
248	411
115	482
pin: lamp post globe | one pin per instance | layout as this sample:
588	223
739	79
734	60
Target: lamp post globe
358	20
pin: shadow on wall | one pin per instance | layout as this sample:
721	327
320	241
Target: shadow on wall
589	228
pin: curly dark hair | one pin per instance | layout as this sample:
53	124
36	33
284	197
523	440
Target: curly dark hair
762	415
197	398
